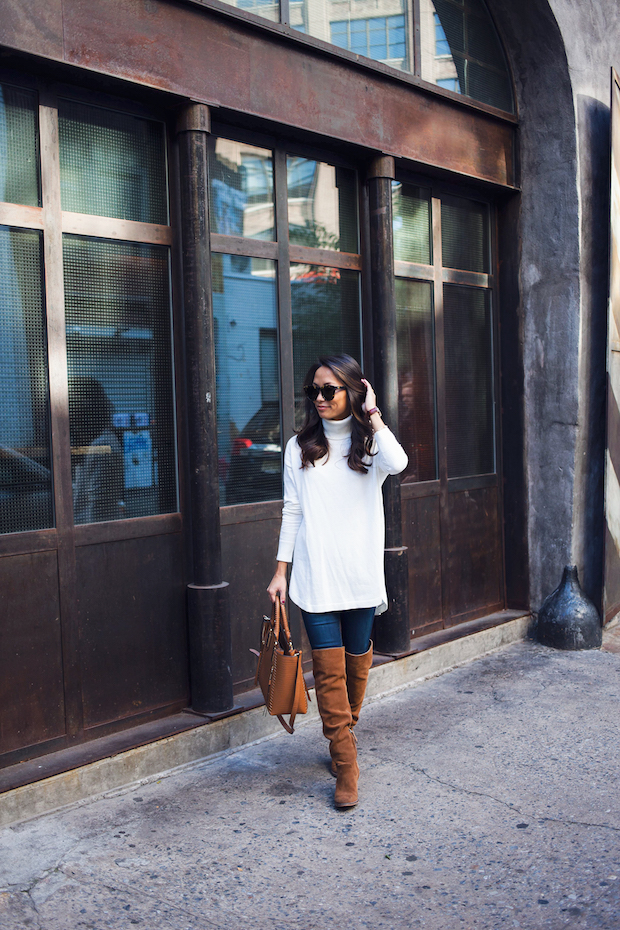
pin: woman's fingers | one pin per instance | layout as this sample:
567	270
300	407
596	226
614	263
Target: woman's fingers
371	398
277	588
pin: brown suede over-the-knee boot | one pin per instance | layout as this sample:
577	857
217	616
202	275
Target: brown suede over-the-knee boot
357	668
357	679
335	710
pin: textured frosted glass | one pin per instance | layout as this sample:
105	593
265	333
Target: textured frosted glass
411	218
112	164
19	141
465	234
120	379
25	477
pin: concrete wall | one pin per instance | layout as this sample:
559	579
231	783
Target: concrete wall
560	53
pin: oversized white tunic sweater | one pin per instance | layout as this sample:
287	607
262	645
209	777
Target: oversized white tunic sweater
333	525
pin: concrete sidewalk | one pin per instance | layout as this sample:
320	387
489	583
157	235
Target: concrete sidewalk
489	799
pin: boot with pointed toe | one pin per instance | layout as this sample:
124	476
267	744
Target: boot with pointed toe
333	702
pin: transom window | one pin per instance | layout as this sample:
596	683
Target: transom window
450	43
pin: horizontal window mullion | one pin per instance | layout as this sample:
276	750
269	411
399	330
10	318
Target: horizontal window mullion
237	245
12	214
309	256
104	227
466	278
413	270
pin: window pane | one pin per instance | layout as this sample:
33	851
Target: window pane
269	9
241	186
469	381
248	381
112	164
357	27
416	378
326	319
25	469
121	405
322	205
465	234
411	218
19	146
461	51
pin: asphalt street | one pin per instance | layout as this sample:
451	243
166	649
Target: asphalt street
488	799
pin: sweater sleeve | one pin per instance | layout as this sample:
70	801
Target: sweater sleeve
391	458
291	511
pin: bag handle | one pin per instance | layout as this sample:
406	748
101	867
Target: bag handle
278	613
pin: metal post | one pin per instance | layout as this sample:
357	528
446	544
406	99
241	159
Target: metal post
392	629
208	596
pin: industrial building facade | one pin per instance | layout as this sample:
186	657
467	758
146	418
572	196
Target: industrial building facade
199	198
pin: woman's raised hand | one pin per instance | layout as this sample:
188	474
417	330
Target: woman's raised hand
371	397
278	584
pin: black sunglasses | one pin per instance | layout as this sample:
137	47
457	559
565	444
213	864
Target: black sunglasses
328	391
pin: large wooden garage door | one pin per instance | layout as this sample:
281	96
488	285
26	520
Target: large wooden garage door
451	501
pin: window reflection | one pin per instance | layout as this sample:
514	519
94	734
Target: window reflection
461	51
326	319
322	205
248	394
469	381
416	378
241	190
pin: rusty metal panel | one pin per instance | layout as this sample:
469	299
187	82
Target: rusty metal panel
226	63
473	558
420	518
31	678
34	27
133	636
612	464
248	562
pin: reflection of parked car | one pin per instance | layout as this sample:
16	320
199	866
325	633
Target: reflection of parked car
255	469
25	493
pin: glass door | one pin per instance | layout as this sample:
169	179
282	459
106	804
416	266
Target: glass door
447	415
286	289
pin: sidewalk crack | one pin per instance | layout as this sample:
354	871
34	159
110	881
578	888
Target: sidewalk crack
511	807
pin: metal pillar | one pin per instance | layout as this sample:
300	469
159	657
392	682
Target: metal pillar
392	629
208	596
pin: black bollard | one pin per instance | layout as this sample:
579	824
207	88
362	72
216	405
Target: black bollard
568	619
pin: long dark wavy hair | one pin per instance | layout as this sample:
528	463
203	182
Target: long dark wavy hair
311	437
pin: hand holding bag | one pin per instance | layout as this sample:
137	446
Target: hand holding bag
279	670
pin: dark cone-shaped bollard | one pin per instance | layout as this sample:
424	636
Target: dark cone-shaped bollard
568	619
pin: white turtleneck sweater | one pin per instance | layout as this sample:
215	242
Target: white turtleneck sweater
333	526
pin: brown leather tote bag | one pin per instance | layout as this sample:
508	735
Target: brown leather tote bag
279	670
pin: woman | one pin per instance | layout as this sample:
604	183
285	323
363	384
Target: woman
333	530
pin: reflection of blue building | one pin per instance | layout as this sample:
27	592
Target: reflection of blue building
246	350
